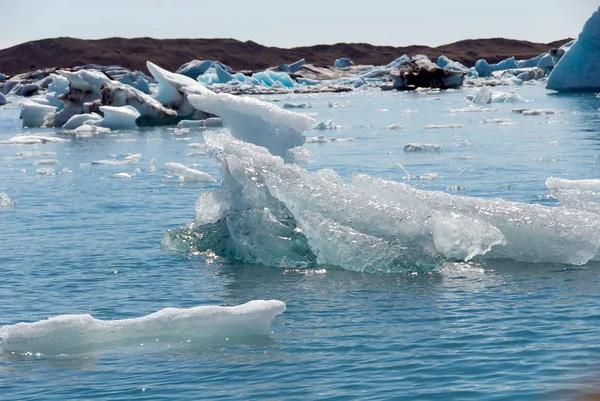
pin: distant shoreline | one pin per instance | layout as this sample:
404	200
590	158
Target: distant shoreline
171	53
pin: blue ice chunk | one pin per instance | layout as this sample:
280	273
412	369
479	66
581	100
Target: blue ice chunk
222	75
399	62
291	68
578	69
484	69
546	62
240	77
532	62
295	67
2	77
272	78
343	62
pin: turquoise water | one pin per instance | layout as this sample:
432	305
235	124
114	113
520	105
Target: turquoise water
88	242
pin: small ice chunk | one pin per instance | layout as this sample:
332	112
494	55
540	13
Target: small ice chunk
79	119
188	174
46	162
394	127
6	202
423	147
326	125
198	326
46	171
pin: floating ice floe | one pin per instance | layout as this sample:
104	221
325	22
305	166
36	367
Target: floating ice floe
6	202
170	327
188	174
537	112
485	69
423	147
578	69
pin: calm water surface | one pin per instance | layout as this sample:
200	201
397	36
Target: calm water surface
88	242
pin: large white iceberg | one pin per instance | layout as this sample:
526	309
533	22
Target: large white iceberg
72	334
579	68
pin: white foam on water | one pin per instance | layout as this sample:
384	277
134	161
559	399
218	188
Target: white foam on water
73	334
423	147
128	159
46	162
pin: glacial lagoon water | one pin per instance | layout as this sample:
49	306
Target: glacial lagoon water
85	241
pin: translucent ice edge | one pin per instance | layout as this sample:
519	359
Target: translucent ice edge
72	334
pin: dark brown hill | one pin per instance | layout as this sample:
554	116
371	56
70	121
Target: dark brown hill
171	53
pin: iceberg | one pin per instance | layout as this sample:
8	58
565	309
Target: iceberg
34	114
420	72
276	214
151	111
342	63
446	63
255	121
485	69
3	100
561	235
117	118
193	327
578	69
290	68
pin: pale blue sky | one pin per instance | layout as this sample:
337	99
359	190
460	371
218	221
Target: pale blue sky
290	23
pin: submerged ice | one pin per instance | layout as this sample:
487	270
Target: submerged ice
73	334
